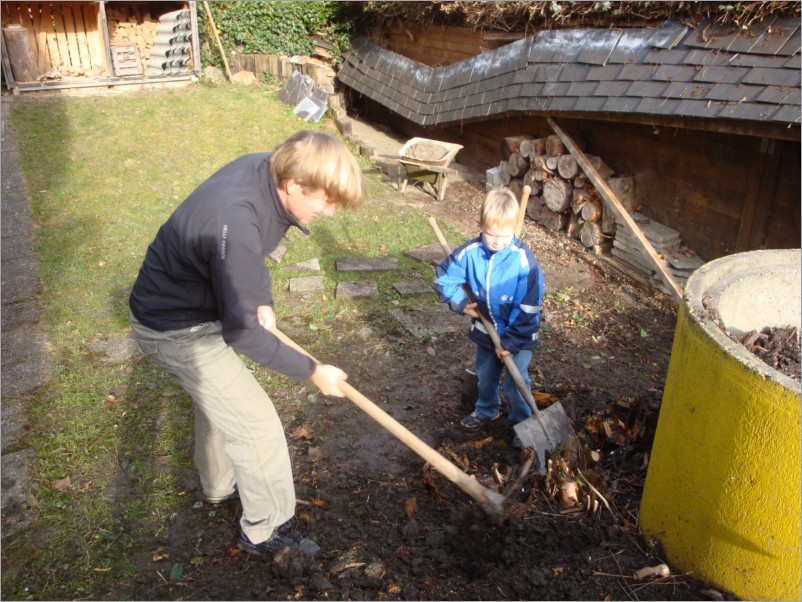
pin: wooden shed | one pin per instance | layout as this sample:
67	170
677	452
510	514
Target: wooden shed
60	45
705	120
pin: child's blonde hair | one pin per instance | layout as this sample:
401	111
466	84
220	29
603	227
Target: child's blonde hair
319	161
500	208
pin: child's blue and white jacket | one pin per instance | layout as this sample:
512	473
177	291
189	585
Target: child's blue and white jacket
507	284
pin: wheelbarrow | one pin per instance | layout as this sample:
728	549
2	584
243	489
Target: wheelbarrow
426	160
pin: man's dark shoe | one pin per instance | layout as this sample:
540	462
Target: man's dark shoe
473	420
283	537
234	495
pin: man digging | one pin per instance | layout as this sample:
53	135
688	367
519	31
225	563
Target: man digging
203	296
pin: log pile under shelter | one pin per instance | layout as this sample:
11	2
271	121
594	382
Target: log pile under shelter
563	199
134	25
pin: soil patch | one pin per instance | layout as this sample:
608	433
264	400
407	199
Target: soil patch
393	529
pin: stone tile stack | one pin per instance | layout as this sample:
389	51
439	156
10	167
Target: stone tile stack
666	241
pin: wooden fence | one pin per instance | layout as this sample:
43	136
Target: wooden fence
64	36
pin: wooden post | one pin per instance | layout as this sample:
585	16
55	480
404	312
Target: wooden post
7	66
193	19
216	37
20	53
609	196
104	31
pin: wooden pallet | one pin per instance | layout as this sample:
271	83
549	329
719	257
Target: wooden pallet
125	59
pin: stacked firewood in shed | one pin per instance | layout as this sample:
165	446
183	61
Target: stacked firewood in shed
562	198
129	24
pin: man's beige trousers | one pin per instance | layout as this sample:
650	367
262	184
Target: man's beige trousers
239	439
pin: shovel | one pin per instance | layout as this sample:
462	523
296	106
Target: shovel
544	430
493	503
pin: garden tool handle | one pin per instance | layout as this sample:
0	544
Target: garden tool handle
491	502
512	369
519	223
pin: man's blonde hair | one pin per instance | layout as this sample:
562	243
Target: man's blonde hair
500	208
319	161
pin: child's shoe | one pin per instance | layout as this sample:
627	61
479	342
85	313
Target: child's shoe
472	420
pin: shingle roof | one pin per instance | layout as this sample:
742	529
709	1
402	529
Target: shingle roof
711	71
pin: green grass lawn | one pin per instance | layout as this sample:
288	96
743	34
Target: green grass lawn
103	173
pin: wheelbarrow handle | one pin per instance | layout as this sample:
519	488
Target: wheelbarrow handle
509	363
490	501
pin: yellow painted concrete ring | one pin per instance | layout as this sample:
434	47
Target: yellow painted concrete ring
722	492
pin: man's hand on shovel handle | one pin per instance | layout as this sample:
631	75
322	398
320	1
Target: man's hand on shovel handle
327	378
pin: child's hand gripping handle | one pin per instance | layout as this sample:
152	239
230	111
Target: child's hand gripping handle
512	369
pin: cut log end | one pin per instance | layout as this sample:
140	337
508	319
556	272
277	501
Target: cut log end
557	193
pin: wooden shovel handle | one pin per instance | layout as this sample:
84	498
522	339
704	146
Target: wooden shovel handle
519	223
490	501
217	38
512	369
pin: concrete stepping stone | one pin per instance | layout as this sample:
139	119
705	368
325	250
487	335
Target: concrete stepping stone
278	253
306	284
368	264
410	288
430	320
432	253
308	265
356	289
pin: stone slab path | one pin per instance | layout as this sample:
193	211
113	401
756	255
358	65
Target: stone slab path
356	289
368	264
430	320
432	253
412	288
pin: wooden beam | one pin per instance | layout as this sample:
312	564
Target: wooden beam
615	205
102	25
750	203
766	204
503	36
759	129
7	66
196	56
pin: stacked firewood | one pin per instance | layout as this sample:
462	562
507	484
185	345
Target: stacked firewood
133	26
562	198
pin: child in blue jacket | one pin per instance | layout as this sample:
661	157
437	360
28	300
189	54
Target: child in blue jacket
507	284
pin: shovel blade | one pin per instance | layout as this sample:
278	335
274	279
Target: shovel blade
544	431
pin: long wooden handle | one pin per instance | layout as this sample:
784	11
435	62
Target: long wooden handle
490	501
217	38
512	369
519	223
